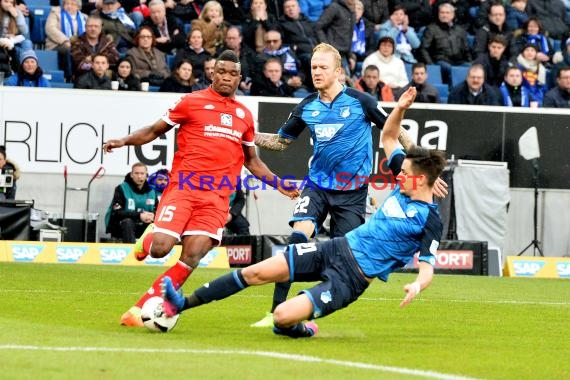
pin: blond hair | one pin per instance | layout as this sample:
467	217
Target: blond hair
210	4
326	48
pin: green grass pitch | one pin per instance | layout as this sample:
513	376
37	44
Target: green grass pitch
61	322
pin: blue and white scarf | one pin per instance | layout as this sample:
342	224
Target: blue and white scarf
289	64
507	101
540	41
67	23
359	38
123	18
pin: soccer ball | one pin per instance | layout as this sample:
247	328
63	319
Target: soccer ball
153	316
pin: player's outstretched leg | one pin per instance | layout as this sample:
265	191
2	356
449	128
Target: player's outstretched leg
173	299
300	330
281	289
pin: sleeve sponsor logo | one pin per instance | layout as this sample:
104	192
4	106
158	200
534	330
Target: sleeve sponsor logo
69	254
26	252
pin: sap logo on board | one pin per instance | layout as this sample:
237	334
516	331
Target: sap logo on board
113	255
69	254
158	261
26	252
527	268
209	258
563	269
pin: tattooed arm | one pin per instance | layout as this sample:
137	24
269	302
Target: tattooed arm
271	141
404	139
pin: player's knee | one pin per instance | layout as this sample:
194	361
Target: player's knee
283	317
251	275
160	248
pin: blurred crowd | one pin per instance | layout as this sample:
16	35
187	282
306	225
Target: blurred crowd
510	53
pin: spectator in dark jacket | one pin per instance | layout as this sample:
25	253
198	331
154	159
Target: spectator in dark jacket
271	83
559	96
96	78
168	31
336	24
181	80
445	43
516	15
126	77
418	11
552	14
297	30
247	57
494	61
495	26
426	93
194	52
533	33
256	24
512	92
474	90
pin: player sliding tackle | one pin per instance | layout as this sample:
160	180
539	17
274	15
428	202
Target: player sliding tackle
407	222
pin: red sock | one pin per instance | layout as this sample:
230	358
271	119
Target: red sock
178	273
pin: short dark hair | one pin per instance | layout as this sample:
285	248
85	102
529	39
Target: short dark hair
228	55
429	162
560	70
419	65
372	68
498	39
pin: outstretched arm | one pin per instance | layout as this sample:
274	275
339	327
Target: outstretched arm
392	130
271	141
423	280
258	168
139	137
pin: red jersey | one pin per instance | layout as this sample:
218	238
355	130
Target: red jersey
212	130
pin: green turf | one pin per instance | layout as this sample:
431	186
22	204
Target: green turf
480	327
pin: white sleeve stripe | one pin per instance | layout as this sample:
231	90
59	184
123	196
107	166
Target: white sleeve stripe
248	143
167	120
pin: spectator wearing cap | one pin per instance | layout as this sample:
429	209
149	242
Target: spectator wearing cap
402	33
96	78
559	96
29	73
117	24
392	69
473	90
445	43
533	72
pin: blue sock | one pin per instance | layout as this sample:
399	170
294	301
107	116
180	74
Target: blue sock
220	288
282	288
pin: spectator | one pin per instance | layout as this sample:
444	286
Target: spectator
292	72
371	84
133	206
533	72
186	11
246	55
234	11
29	73
128	81
313	9
513	94
272	82
256	24
63	23
345	79
494	61
560	59
194	52
552	15
418	11
14	33
425	92
181	80
559	96
402	33
336	25
167	30
533	33
376	11
211	23
93	41
516	15
392	68
237	224
206	80
158	181
8	168
495	26
298	33
96	78
362	38
117	24
149	63
473	90
445	43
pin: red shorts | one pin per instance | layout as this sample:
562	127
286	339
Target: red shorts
183	212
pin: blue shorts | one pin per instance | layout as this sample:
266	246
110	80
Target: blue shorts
332	263
347	208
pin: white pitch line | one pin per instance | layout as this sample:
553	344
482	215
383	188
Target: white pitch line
268	354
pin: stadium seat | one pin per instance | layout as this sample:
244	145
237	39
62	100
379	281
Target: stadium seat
471	41
443	91
170	61
187	28
54	75
408	70
48	60
61	85
38	32
434	74
556	44
458	74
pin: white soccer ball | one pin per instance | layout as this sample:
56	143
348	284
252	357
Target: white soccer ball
154	318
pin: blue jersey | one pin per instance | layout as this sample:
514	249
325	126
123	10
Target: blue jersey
342	136
400	228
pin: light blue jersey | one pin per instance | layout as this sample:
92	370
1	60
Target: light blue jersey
400	228
342	136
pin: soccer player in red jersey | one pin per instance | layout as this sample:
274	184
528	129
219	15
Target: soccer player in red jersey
215	140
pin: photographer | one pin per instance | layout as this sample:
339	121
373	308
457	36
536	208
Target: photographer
9	174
